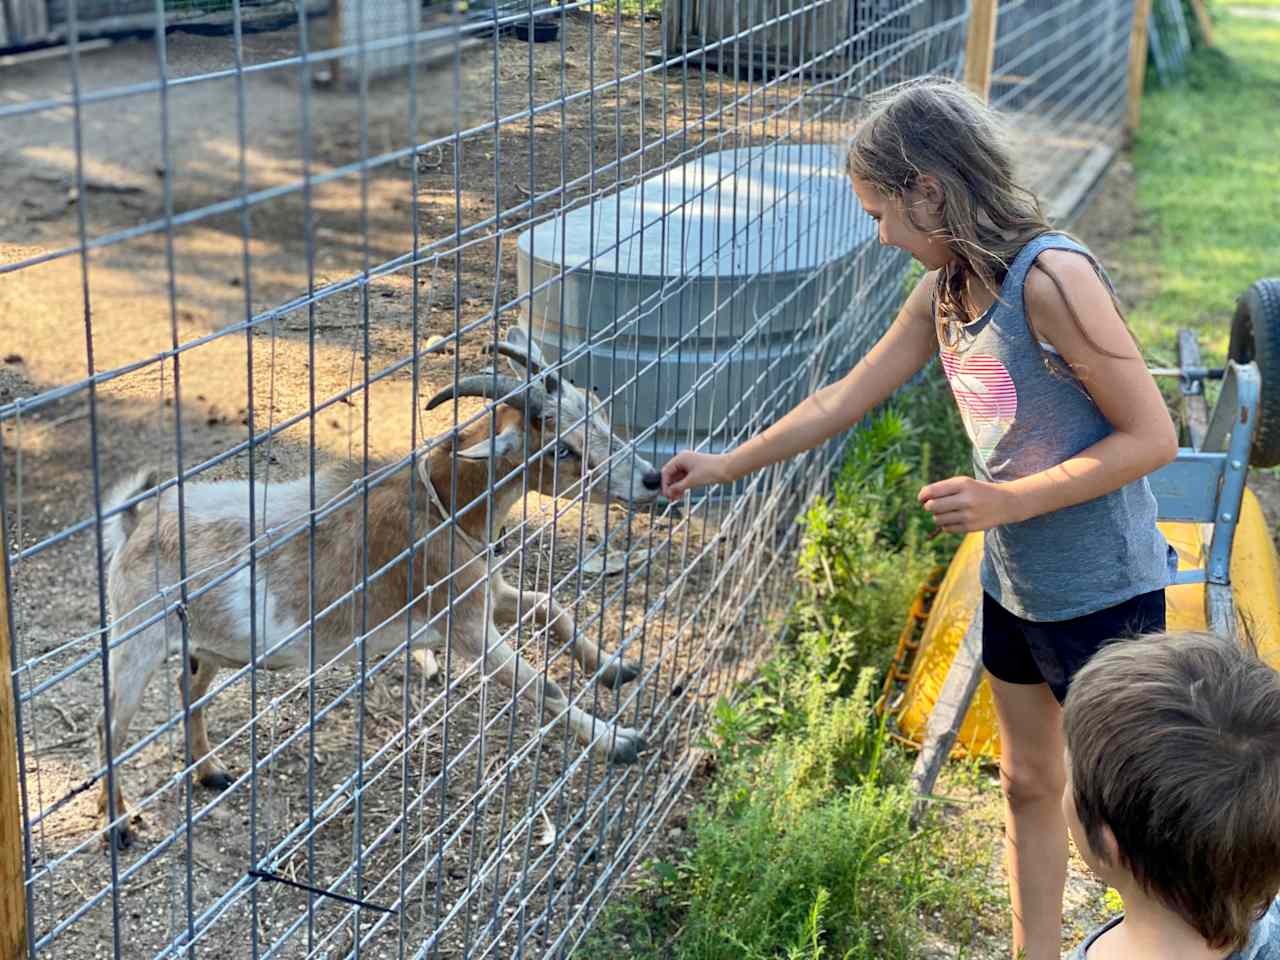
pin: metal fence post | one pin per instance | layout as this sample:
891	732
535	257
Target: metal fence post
13	910
980	46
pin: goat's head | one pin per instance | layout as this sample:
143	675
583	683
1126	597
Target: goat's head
569	440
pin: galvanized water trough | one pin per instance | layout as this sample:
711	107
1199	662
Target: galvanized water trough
709	298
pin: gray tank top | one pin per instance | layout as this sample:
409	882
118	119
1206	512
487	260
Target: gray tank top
1025	411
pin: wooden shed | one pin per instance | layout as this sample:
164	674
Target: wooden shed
826	36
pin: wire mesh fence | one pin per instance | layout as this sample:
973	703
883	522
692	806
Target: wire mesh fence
330	415
1169	39
1059	76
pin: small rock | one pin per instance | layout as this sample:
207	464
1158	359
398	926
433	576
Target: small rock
435	342
13	358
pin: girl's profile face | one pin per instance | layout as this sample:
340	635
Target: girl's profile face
898	230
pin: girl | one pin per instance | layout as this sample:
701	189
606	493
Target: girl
1065	422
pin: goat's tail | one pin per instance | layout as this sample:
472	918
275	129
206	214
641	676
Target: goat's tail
117	528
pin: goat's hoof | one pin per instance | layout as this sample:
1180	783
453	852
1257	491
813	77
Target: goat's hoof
626	746
120	836
620	672
217	780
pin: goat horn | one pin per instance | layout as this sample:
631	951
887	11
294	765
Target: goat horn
505	349
483	385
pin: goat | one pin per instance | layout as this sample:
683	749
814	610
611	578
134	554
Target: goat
143	543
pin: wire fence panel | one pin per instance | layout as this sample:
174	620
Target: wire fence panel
1168	39
1059	75
340	358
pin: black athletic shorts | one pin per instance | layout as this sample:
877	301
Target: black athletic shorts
1029	651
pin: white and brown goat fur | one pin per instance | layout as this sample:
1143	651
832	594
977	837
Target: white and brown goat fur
143	543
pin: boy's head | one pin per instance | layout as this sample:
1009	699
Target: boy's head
1173	746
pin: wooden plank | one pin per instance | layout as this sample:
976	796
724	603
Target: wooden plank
53	53
13	910
1069	201
1195	412
23	21
1206	25
672	22
1137	61
949	712
335	40
980	47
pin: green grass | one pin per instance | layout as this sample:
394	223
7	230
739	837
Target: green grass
1207	169
1273	4
628	8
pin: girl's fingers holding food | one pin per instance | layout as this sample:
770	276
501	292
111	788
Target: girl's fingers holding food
675	473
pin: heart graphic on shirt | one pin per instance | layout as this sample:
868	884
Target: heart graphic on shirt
985	394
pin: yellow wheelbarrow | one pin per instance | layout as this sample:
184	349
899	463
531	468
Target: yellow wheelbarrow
1228	579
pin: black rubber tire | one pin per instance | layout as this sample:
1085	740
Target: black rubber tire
1255	335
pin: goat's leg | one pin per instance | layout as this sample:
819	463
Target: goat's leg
508	603
131	666
209	773
615	743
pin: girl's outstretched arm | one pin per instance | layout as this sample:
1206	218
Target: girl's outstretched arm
906	347
1102	353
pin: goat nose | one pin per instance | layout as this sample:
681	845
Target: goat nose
652	480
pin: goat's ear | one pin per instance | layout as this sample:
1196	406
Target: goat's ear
519	338
423	468
503	445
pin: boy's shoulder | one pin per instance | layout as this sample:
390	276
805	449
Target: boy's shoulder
1079	952
1264	942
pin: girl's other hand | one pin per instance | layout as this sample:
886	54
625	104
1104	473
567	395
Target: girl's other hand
963	504
688	469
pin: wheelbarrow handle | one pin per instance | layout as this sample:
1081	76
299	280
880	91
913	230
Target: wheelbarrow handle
1190	373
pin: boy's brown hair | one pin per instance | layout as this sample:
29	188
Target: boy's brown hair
1174	744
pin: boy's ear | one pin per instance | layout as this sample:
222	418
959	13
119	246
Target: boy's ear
1110	852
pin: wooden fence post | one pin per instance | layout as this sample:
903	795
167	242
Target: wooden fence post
1137	61
13	907
980	46
335	40
1206	25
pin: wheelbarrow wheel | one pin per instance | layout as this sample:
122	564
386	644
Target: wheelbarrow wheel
1255	335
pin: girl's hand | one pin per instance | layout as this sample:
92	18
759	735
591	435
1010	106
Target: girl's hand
962	504
688	469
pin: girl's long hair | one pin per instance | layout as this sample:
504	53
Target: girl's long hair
936	126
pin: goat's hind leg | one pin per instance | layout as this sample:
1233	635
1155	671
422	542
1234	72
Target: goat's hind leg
209	773
508	602
131	665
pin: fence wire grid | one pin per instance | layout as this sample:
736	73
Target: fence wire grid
249	261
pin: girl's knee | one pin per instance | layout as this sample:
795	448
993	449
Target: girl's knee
1026	785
